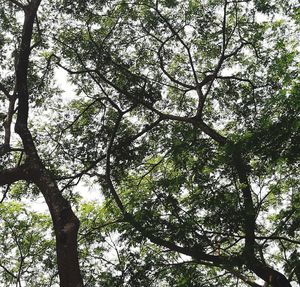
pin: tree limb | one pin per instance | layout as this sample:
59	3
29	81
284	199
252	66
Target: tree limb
12	175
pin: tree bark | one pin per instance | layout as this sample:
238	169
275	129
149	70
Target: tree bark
66	226
65	222
269	275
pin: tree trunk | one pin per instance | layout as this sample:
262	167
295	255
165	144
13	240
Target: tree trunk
65	222
66	226
271	276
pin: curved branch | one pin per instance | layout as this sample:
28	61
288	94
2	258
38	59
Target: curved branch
162	66
195	251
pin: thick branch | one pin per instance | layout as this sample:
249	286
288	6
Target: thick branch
21	88
17	3
12	175
269	275
249	211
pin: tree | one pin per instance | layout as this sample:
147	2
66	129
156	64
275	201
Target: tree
65	222
185	115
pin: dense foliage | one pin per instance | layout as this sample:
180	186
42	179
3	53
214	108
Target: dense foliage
183	116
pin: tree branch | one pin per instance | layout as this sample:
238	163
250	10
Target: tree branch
4	90
21	88
17	3
162	66
11	175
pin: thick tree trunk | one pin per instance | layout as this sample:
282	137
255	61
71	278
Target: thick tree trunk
65	222
66	226
271	276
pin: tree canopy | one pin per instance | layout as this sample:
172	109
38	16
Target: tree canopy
183	116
